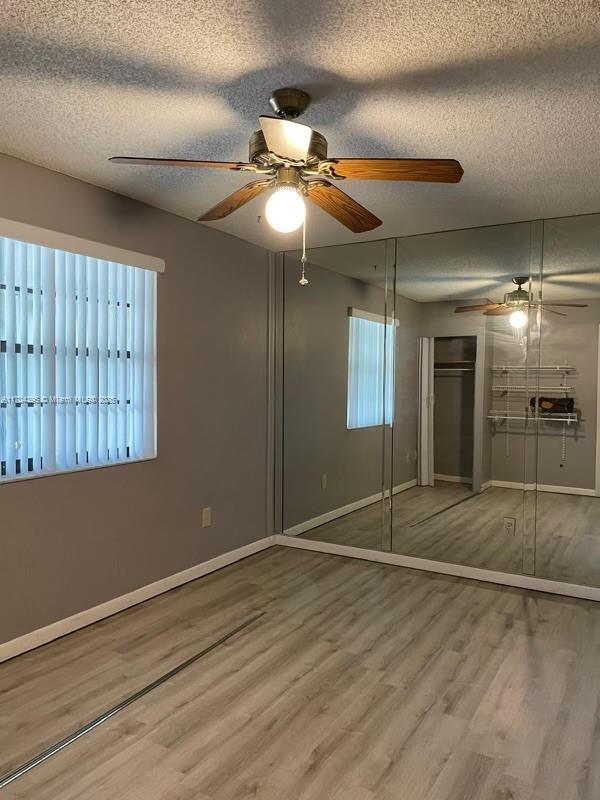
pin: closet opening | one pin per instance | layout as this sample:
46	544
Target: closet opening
453	409
447	366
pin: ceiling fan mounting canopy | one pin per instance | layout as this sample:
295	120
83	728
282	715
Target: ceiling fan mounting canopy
289	103
285	153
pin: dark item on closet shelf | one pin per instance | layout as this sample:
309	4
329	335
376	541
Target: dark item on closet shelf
553	405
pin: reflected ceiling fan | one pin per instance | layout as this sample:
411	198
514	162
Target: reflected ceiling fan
516	304
291	158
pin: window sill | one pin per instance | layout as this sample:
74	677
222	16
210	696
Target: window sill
33	476
366	427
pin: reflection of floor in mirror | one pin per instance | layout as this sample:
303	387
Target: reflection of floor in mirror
363	528
568	538
472	531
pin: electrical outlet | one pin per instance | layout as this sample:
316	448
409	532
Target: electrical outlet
323	481
408	456
510	525
206	517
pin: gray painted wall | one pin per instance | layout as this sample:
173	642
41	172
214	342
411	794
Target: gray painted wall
69	542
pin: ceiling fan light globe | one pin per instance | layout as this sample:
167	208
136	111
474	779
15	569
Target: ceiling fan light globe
285	209
518	318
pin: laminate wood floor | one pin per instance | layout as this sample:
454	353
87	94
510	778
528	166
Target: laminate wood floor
362	681
472	532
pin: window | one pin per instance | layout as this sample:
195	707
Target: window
370	365
77	361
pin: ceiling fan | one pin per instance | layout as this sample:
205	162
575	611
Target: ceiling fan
291	158
515	305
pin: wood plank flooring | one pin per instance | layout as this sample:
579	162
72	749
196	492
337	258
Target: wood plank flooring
363	681
472	533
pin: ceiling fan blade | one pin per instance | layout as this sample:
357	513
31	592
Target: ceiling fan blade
483	307
178	162
442	170
235	200
565	305
287	139
341	206
501	311
552	311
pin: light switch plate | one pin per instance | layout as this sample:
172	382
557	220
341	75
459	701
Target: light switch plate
206	517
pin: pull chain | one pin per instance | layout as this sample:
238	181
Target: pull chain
303	279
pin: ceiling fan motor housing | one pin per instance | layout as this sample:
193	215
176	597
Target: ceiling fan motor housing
517	298
259	152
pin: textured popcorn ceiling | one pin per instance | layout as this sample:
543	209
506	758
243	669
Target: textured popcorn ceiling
508	88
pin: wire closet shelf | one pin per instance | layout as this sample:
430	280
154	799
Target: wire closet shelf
523	373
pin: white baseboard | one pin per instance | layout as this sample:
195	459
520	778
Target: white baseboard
452	478
402	487
485	485
328	516
30	641
444	568
544	487
63	626
528	487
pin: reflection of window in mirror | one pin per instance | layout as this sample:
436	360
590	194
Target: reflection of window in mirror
370	367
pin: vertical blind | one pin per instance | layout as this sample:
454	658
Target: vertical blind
370	372
77	361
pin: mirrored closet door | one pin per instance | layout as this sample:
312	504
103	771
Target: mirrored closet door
339	341
441	397
462	371
568	506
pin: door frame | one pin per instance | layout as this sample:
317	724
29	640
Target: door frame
426	401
